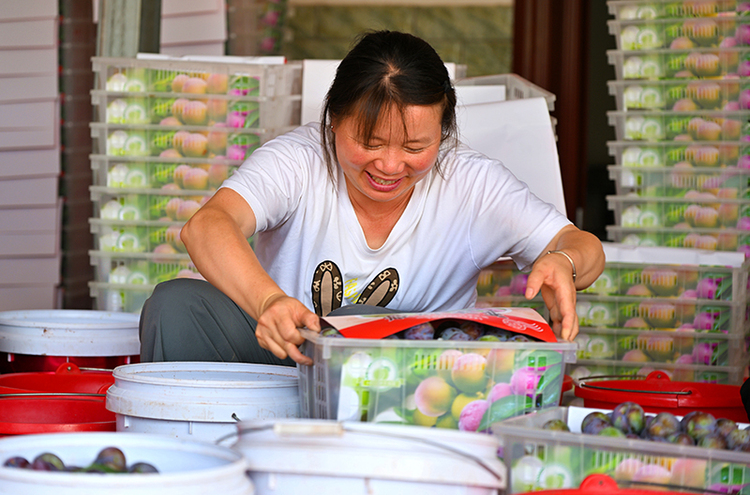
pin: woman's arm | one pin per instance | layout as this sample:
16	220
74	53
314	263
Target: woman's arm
553	274
216	239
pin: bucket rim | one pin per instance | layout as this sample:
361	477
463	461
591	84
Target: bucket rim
288	376
69	319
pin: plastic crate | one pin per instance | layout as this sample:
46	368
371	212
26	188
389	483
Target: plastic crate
707	154
698	210
157	173
679	96
725	375
177	141
679	33
708	239
141	268
699	125
534	456
175	109
128	298
661	347
160	238
516	87
680	181
661	313
138	205
236	76
696	62
375	380
667	9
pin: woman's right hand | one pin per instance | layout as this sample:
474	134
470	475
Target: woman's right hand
278	325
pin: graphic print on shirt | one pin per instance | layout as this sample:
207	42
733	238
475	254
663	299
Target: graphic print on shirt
327	288
327	285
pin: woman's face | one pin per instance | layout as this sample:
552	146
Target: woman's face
387	167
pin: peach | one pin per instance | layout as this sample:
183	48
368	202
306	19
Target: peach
500	361
684	105
217	174
217	141
171	208
707	218
170	153
688	472
461	401
468	373
447	421
498	391
693	126
727	241
178	106
658	314
661	281
217	109
187	209
707	242
681	43
195	85
172	236
179	174
196	179
639	290
635	322
731	129
178	82
164	249
178	139
635	355
728	214
217	84
708	131
188	273
434	396
472	414
194	113
422	419
171	120
626	469
195	145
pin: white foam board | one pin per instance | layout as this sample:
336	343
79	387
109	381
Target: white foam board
30	191
40	270
215	48
40	218
12	10
36	33
25	88
28	61
41	243
193	29
39	296
27	163
172	8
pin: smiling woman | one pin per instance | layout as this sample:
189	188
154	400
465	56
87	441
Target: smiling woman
377	208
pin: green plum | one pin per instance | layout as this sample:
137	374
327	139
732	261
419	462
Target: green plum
556	425
663	425
629	417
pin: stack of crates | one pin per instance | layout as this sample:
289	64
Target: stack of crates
682	156
681	311
167	132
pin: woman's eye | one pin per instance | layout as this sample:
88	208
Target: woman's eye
414	150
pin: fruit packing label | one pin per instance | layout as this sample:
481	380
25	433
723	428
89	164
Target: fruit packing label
524	321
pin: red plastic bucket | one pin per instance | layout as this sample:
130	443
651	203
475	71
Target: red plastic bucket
28	414
68	378
21	363
657	393
598	484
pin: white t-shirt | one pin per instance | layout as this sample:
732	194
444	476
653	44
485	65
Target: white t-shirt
308	234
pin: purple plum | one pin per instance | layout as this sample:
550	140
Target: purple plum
595	421
725	426
663	425
680	439
556	425
736	439
713	441
611	431
423	331
47	462
629	417
700	425
473	329
142	467
17	462
454	333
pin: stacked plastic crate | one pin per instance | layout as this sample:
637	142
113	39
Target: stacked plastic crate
168	131
678	310
29	155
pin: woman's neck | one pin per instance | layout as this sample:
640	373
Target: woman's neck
378	219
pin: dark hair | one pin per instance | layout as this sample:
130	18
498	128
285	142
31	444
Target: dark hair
386	68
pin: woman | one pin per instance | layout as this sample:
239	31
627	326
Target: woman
376	207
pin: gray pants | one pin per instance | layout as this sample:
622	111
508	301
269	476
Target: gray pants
191	320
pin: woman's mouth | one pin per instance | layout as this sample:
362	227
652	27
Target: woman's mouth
383	184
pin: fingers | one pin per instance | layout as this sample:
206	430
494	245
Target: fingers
277	329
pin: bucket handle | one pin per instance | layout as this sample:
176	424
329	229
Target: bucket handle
51	394
338	428
582	384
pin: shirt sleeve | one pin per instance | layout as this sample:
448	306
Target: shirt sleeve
506	213
272	180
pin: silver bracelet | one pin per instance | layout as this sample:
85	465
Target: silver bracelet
569	259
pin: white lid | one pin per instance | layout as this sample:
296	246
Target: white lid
66	332
370	450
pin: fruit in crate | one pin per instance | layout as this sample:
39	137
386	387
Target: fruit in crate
217	84
108	460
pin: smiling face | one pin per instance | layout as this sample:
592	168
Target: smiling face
401	152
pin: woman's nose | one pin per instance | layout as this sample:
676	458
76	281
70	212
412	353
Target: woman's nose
390	162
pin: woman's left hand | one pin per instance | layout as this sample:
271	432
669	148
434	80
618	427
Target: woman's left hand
552	274
559	275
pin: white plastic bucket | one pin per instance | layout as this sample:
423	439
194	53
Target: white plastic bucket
318	456
185	467
200	400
